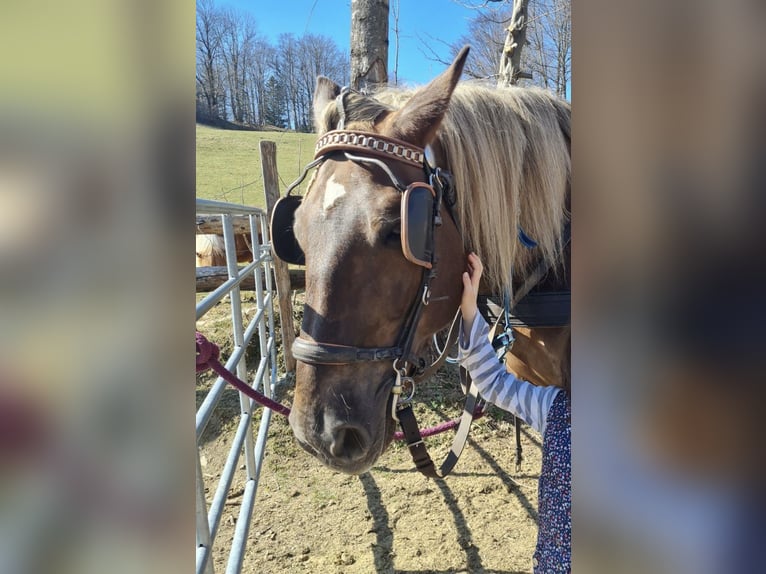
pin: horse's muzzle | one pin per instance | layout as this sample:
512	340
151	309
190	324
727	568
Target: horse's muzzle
349	443
342	445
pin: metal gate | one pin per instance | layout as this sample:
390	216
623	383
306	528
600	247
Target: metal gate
243	442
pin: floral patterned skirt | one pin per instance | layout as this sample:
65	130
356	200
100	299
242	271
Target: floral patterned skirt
553	553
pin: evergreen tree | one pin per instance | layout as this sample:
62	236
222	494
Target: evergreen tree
275	113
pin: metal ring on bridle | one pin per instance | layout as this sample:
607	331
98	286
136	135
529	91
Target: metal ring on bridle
426	295
404	383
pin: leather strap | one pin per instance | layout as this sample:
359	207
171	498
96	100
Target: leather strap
417	447
543	309
302	176
317	353
330	354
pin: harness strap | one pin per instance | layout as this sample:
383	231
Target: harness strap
407	335
401	187
331	354
542	309
417	447
512	303
303	174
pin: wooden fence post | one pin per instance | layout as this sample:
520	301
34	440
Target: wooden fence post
281	271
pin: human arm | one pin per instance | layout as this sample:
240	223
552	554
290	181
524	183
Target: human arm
521	398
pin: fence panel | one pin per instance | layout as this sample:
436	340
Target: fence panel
244	444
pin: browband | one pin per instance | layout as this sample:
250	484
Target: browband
371	143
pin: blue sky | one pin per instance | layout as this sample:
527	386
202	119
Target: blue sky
442	19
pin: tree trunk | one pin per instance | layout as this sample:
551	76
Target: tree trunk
281	271
510	62
210	278
369	44
212	224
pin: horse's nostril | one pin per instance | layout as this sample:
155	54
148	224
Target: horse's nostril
349	442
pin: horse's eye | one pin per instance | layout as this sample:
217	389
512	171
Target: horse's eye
393	235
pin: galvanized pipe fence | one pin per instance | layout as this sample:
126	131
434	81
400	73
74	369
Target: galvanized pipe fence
244	443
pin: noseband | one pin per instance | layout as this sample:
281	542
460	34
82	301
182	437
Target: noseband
421	213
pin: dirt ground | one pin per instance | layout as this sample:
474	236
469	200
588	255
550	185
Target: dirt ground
308	518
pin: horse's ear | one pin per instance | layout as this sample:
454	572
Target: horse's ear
419	119
326	91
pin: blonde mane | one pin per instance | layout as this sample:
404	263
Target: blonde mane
210	248
508	151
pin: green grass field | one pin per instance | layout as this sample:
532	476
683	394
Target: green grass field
229	162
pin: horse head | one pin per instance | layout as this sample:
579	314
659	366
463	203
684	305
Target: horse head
368	257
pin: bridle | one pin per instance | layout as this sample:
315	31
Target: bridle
420	215
369	149
421	206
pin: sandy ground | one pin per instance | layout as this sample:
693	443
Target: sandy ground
307	518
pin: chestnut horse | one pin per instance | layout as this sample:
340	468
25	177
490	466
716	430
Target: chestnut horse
211	251
384	235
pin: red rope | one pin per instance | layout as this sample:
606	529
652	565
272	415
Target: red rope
207	358
441	427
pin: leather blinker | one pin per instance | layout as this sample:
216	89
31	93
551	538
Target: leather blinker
418	224
283	240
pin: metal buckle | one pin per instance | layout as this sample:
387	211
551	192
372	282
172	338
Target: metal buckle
407	385
403	390
503	343
435	181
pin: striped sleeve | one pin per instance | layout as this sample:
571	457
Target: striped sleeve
521	398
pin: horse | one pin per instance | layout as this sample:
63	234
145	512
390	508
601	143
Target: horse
406	183
211	251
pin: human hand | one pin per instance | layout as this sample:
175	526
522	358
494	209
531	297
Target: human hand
471	279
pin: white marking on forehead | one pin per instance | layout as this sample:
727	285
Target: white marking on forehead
332	193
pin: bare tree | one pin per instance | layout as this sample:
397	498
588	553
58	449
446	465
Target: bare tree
486	37
547	48
240	76
248	41
209	87
318	55
395	13
369	44
231	54
287	69
239	34
262	55
550	55
509	71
